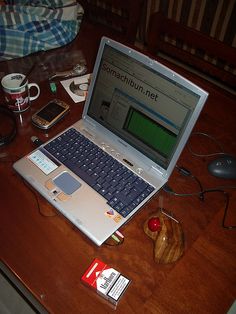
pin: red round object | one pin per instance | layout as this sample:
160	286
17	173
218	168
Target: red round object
154	224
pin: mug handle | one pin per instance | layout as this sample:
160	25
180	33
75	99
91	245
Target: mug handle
38	90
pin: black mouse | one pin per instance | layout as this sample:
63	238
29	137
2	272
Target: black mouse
223	167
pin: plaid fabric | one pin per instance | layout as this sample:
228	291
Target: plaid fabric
31	26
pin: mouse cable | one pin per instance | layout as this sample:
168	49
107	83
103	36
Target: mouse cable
225	213
226	195
10	159
36	199
187	173
201	191
221	150
167	189
5	158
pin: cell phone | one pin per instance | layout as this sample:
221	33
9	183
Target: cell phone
50	114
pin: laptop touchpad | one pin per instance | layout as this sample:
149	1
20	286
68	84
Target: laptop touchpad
67	183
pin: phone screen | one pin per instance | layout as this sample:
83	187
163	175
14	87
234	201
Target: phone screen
50	112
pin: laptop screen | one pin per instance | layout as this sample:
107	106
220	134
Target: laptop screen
142	106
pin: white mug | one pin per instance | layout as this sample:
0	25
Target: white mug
18	97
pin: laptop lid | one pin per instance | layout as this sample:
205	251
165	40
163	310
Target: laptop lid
146	106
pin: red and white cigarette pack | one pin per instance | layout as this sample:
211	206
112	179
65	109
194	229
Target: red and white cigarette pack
106	281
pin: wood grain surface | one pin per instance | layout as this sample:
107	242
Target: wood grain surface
48	255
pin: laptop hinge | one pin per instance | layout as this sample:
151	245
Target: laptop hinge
91	124
159	171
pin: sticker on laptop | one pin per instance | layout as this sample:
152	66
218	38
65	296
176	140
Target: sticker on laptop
111	213
42	162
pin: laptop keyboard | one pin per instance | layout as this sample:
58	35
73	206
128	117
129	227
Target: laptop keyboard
122	189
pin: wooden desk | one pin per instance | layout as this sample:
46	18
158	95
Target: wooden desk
48	255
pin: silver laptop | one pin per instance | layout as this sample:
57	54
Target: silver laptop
137	118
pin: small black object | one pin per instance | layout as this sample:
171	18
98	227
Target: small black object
167	189
9	136
223	167
36	141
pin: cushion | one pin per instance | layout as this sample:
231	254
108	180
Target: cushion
30	26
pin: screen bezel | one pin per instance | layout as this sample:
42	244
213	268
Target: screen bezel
162	70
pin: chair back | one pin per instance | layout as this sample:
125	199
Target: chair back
193	48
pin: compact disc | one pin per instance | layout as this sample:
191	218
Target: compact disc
79	89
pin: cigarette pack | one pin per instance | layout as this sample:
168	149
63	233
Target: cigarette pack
106	281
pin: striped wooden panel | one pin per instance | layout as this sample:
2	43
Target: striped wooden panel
214	18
